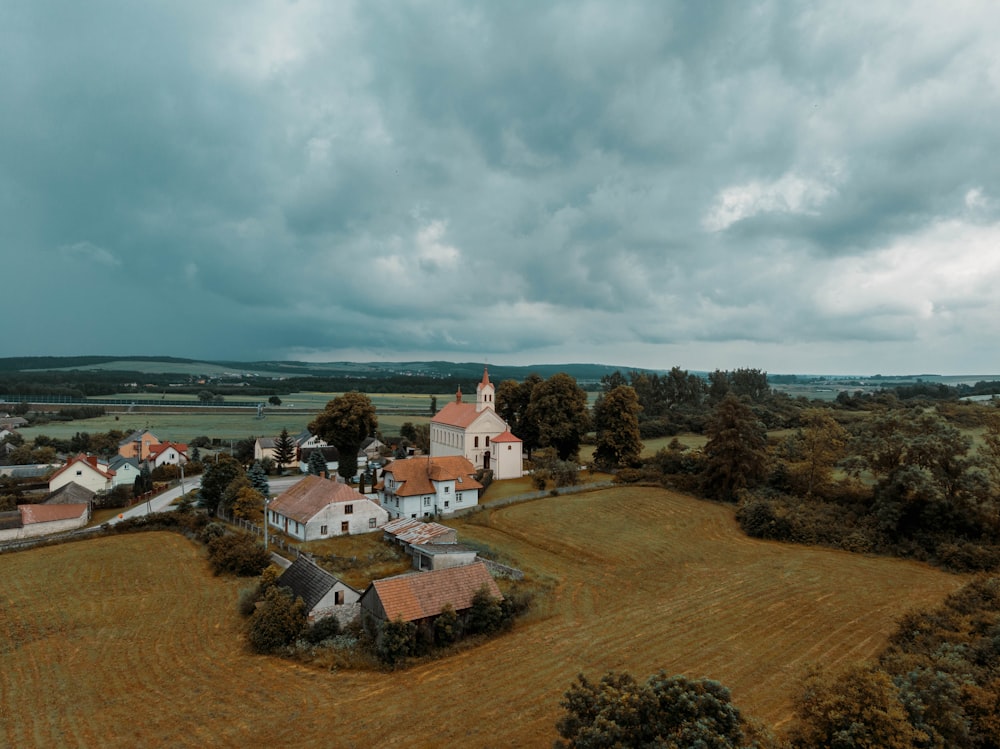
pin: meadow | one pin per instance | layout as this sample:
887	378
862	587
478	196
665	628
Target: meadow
130	641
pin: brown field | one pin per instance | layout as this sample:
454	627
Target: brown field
129	641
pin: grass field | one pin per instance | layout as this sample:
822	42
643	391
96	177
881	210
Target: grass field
129	641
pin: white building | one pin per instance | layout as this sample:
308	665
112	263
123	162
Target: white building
85	470
425	487
316	508
472	429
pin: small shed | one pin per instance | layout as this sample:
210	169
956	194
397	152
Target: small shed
441	556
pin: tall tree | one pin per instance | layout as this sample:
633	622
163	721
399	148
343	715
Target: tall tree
513	399
317	462
284	450
818	445
218	475
736	451
345	423
559	414
616	420
258	479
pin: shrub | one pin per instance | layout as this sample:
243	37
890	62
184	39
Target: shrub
210	531
237	554
322	629
485	614
276	622
446	626
395	641
628	475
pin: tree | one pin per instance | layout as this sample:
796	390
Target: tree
736	451
861	709
485	614
317	462
284	450
616	419
396	640
243	450
274	400
218	475
512	402
408	432
249	505
206	396
258	479
345	423
277	621
559	415
670	712
818	445
422	437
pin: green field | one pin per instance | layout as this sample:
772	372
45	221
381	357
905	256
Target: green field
131	641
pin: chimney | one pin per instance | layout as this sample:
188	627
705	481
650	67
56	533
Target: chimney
458	395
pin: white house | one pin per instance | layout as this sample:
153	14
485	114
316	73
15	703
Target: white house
426	486
168	453
126	470
471	430
86	471
316	508
322	593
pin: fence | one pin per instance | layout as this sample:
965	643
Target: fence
274	541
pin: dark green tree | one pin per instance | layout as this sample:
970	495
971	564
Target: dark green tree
217	476
485	614
559	415
274	400
258	479
616	420
666	712
408	432
345	423
316	464
284	451
512	401
395	641
736	451
276	622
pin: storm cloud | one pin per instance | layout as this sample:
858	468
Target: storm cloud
796	187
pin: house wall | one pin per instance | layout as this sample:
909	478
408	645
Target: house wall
422	561
508	462
126	475
83	474
128	450
366	517
34	530
345	612
445	501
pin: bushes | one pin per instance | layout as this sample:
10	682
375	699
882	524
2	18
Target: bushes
237	554
395	641
276	622
322	629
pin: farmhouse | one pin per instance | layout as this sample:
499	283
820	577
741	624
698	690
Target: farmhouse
86	471
30	521
316	508
472	430
421	596
323	594
424	487
168	453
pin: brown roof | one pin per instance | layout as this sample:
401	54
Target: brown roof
155	450
414	531
506	436
49	513
416	475
310	495
424	594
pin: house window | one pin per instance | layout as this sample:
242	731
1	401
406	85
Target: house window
427	501
322	530
338	597
348	509
79	473
475	441
446	504
371	522
447	489
458	497
487	440
508	447
345	527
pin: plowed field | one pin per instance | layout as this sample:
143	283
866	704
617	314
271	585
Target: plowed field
130	641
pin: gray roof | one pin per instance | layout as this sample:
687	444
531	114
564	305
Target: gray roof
69	494
134	437
432	549
331	453
307	581
119	460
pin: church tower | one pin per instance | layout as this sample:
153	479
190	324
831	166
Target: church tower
485	392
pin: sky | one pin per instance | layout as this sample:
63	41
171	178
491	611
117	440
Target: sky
796	187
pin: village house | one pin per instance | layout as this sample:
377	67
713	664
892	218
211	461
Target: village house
167	453
316	508
476	432
420	597
85	470
137	444
126	470
322	593
426	486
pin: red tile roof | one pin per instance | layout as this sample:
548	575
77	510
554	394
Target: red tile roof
155	450
415	476
310	495
456	414
49	513
424	594
506	436
90	461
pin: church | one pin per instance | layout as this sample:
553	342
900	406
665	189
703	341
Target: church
476	432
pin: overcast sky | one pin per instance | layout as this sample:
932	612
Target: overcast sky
793	186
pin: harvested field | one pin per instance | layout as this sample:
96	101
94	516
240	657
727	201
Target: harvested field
113	645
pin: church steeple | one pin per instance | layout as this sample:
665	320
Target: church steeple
485	392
